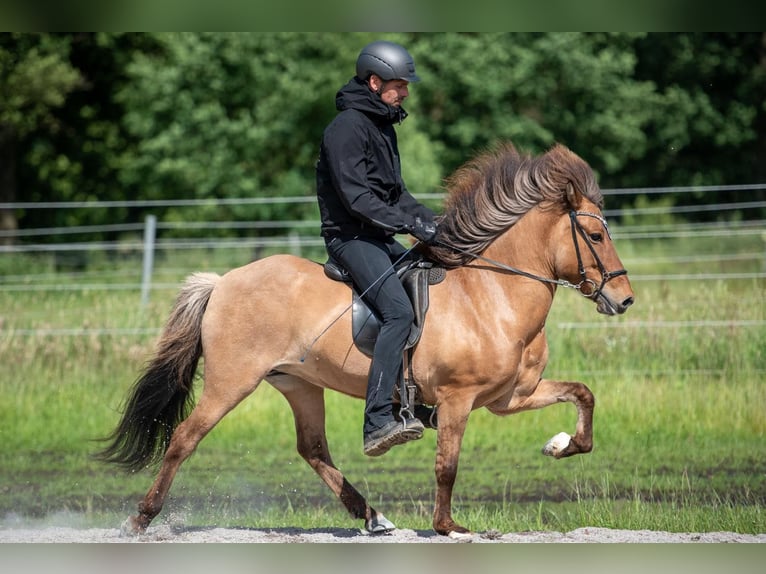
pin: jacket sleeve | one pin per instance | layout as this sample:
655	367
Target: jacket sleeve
346	155
412	206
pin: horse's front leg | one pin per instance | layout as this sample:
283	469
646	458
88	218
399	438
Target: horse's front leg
563	445
549	392
453	418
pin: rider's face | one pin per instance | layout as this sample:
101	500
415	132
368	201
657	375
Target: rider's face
392	92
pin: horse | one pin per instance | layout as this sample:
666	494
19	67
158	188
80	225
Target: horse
514	227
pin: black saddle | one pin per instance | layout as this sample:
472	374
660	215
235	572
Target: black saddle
415	275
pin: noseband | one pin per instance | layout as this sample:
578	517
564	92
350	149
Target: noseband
587	287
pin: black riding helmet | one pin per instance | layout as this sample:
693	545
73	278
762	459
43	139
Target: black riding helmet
388	60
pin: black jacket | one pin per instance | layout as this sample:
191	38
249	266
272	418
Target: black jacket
359	182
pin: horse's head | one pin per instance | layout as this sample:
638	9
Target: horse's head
587	257
493	191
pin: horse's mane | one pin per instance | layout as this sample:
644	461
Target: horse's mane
491	192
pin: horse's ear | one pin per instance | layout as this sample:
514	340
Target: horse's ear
574	197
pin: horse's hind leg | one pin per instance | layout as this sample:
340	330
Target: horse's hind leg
307	403
212	407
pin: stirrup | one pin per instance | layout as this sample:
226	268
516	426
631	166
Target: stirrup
425	414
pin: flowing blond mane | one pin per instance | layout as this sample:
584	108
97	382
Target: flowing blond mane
491	191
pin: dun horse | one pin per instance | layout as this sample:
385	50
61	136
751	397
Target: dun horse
514	228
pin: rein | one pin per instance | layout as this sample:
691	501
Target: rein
592	292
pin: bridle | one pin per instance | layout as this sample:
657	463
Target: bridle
606	276
586	287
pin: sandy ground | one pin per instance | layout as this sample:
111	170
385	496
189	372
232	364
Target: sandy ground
168	534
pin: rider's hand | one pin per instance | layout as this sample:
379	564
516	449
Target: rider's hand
425	231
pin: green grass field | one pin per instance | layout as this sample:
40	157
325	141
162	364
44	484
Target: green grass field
679	424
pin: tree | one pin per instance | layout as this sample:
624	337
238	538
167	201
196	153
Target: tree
231	115
709	118
643	109
216	116
535	89
35	79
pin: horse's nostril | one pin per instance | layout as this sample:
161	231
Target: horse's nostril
627	302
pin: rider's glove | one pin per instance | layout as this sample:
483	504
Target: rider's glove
425	231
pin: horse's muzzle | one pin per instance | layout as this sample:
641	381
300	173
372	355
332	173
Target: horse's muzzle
606	306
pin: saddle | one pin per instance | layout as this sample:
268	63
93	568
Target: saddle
415	276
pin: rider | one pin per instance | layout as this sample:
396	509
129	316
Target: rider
363	203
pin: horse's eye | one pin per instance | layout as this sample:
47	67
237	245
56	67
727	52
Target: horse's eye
596	237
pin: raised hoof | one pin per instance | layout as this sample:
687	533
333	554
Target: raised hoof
379	524
557	445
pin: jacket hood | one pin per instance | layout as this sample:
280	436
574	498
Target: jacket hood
355	95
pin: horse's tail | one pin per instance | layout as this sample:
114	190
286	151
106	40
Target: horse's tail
162	397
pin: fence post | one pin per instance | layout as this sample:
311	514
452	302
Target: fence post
294	241
150	231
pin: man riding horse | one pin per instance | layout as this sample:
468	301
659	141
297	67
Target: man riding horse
364	202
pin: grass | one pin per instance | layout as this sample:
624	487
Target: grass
679	425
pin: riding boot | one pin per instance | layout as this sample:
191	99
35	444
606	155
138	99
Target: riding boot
381	428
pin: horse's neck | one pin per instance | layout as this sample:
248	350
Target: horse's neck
524	247
527	244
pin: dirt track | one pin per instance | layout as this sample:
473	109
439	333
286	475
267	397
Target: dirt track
167	534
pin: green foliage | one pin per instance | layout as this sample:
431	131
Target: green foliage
224	115
35	78
535	89
708	109
230	115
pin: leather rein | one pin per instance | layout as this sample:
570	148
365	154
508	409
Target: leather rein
586	287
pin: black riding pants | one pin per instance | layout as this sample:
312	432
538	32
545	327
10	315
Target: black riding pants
369	262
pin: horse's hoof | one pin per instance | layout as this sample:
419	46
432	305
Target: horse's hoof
128	529
379	524
557	445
